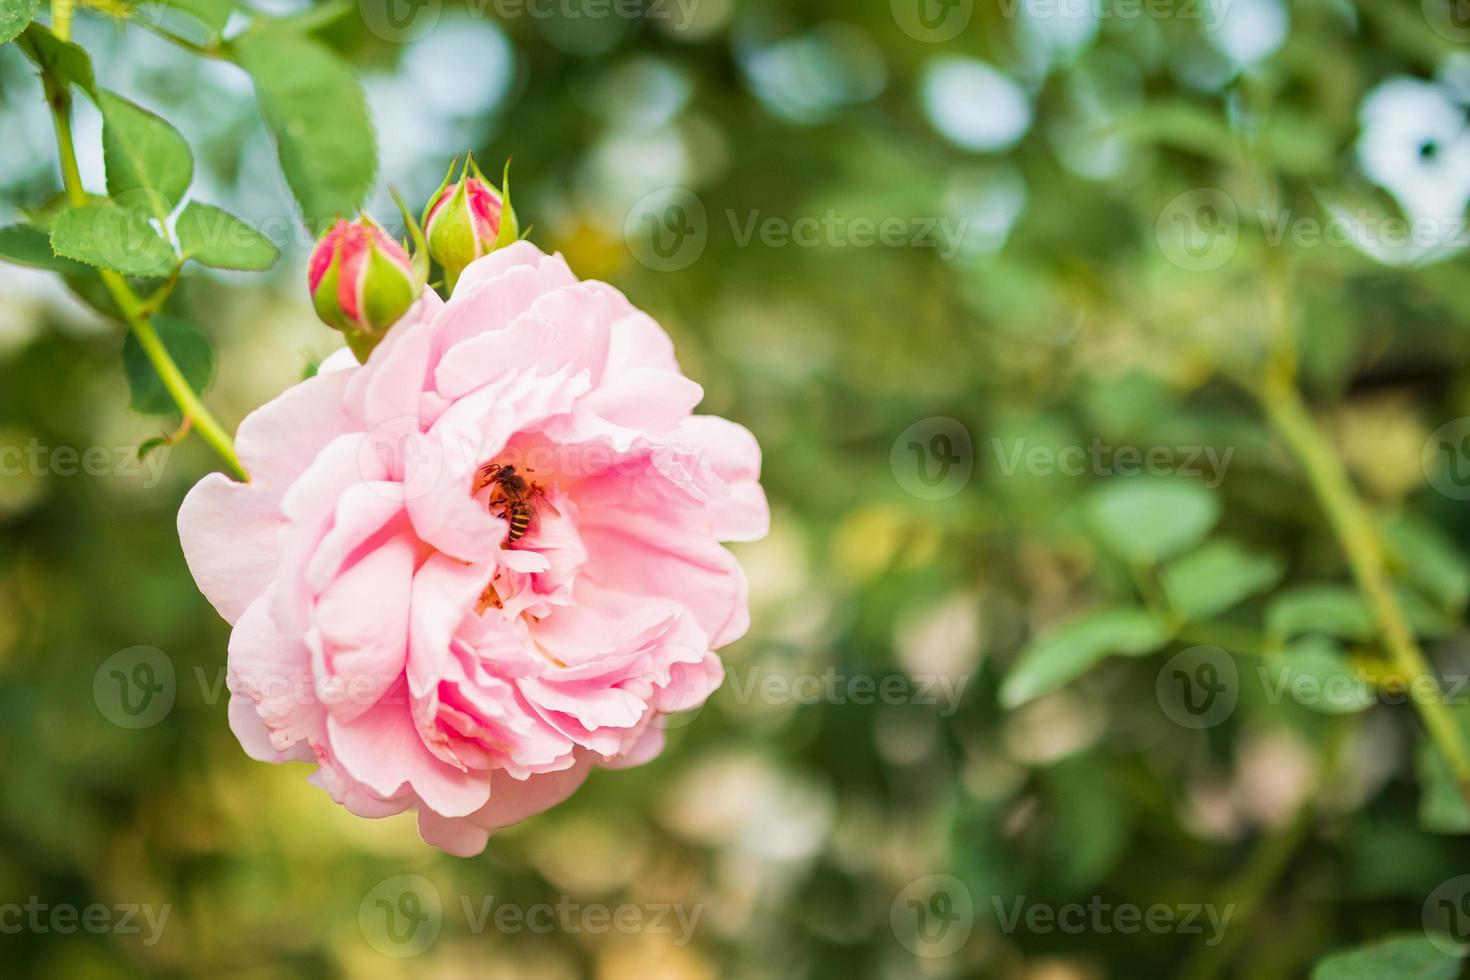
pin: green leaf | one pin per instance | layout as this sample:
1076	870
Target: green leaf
111	236
191	351
1149	519
61	58
1314	674
144	155
314	105
15	15
1330	609
1442	808
90	289
28	245
1429	561
1424	618
214	237
1071	650
1088	815
1407	956
213	14
1205	583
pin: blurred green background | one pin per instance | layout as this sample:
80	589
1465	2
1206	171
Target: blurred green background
1102	224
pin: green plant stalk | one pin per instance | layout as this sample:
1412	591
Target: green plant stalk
1363	545
61	14
1268	862
135	311
1246	893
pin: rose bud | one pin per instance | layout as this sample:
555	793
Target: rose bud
467	218
362	282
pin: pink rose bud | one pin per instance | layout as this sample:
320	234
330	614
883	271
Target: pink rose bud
467	219
362	282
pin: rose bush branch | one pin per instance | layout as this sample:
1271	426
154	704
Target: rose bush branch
135	311
145	227
1352	524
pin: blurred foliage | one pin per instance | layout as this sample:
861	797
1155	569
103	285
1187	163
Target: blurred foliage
1137	196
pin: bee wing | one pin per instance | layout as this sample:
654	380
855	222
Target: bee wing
544	501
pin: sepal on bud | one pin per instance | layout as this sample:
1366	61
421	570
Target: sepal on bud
362	281
468	218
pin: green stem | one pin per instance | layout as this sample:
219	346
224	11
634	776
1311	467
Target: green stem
1348	516
1245	894
215	49
135	312
61	13
173	379
1362	543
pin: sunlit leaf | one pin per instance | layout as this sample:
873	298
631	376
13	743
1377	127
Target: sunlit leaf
1327	608
1430	561
144	155
214	237
213	14
111	236
1205	583
27	245
1149	520
1314	673
14	16
1408	956
61	58
314	105
1072	649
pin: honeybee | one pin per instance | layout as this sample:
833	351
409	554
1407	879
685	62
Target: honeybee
515	497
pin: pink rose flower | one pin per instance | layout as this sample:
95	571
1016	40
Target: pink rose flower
487	560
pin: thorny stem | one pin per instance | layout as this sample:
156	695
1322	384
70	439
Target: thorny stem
1362	543
136	312
1353	525
1349	517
